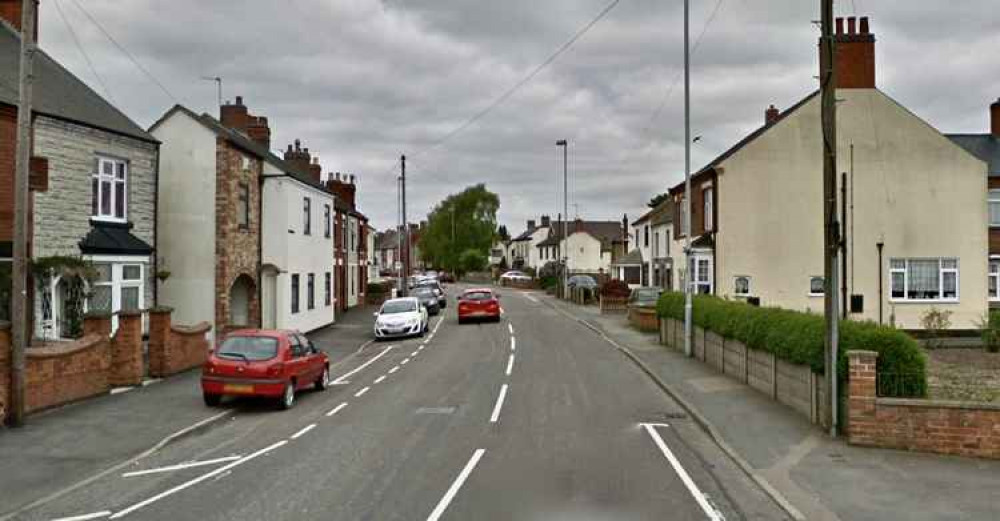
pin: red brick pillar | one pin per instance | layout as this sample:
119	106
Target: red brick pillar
126	350
159	341
97	323
861	396
4	369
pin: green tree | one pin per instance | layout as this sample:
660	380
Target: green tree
461	222
655	201
472	260
502	233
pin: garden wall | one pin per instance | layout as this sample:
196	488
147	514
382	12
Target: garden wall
174	349
944	427
643	318
613	305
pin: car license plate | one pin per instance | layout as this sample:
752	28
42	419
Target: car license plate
237	388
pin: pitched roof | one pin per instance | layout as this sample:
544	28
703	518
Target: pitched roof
983	146
113	239
525	235
607	232
58	93
634	258
387	240
660	214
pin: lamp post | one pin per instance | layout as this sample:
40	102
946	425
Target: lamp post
564	251
691	270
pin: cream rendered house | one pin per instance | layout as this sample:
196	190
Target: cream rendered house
916	234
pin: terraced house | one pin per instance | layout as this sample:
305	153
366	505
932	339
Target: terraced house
93	199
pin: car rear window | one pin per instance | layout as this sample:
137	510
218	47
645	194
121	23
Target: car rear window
477	295
249	348
398	306
423	292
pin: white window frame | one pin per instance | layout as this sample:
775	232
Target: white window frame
992	198
749	290
708	217
327	228
821	293
693	276
100	177
941	271
118	282
306	216
994	260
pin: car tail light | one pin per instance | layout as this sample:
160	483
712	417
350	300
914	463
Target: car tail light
275	369
209	367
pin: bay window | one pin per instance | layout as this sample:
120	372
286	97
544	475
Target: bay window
923	279
108	186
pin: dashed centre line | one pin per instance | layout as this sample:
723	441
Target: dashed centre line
336	409
510	363
496	408
394	369
456	486
302	432
361	392
379	379
513	343
510	327
405	361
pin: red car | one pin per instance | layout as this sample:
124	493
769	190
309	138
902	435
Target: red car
257	362
478	304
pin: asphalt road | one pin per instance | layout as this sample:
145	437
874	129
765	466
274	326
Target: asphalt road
533	418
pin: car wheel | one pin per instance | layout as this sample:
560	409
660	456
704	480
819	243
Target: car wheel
288	396
461	320
324	380
212	400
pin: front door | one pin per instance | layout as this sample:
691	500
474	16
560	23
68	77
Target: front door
269	300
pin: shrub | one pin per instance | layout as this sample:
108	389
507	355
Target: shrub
615	288
798	337
935	322
549	281
989	330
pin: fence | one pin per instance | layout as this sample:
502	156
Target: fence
613	305
795	386
644	319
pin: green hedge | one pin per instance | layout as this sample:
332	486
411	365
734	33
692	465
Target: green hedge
797	337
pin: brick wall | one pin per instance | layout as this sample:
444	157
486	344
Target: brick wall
4	370
8	148
944	427
173	349
237	250
126	350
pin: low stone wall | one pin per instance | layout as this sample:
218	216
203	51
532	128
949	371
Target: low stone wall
613	305
944	427
793	385
174	349
643	319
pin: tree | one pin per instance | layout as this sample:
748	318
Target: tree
461	222
471	260
655	201
502	233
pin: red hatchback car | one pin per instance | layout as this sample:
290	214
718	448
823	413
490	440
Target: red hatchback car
256	362
478	304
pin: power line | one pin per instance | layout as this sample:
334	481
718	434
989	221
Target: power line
79	47
125	52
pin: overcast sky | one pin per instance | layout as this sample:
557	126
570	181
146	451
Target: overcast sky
362	81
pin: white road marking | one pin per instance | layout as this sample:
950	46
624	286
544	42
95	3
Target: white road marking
513	343
394	369
529	297
421	348
379	379
405	361
302	432
496	408
676	464
85	517
361	392
199	479
181	466
341	380
336	409
510	363
119	390
456	485
503	311
510	327
414	353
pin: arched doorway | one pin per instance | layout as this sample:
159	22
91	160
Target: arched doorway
240	295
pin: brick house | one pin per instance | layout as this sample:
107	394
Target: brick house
98	201
350	242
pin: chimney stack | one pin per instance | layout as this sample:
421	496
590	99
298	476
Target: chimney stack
235	115
259	131
995	118
854	54
315	170
546	222
771	115
578	225
10	12
531	224
625	234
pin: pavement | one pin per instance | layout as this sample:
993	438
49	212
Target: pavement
822	478
535	417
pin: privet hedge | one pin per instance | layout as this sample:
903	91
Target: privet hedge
797	337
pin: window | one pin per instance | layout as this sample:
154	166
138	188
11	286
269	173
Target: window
817	286
702	270
326	221
708	216
666	240
117	287
326	290
924	279
306	216
295	293
311	291
244	207
684	217
108	189
741	286
102	289
645	234
656	244
994	206
994	280
131	287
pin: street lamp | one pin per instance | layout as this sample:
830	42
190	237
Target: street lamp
564	251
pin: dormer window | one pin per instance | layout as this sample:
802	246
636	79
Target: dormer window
109	191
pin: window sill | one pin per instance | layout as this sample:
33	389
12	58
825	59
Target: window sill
117	220
812	295
924	301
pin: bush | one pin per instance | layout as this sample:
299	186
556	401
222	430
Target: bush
549	281
989	330
935	323
798	337
615	288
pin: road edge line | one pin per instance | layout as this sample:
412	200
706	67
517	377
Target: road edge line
703	422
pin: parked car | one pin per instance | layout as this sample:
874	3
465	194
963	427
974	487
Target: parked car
401	317
514	276
260	362
481	303
644	297
582	281
438	290
444	276
428	298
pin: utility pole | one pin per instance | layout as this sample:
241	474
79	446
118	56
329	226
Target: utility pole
406	226
19	284
828	88
400	282
218	84
688	306
565	236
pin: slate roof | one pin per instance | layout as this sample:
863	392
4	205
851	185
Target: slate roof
58	93
663	213
983	146
634	258
525	235
113	239
607	232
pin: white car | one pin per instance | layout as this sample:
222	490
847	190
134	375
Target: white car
401	317
515	276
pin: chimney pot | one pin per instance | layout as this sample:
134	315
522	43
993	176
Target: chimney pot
851	25
352	179
995	118
771	115
239	100
864	25
298	145
840	25
289	149
315	160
